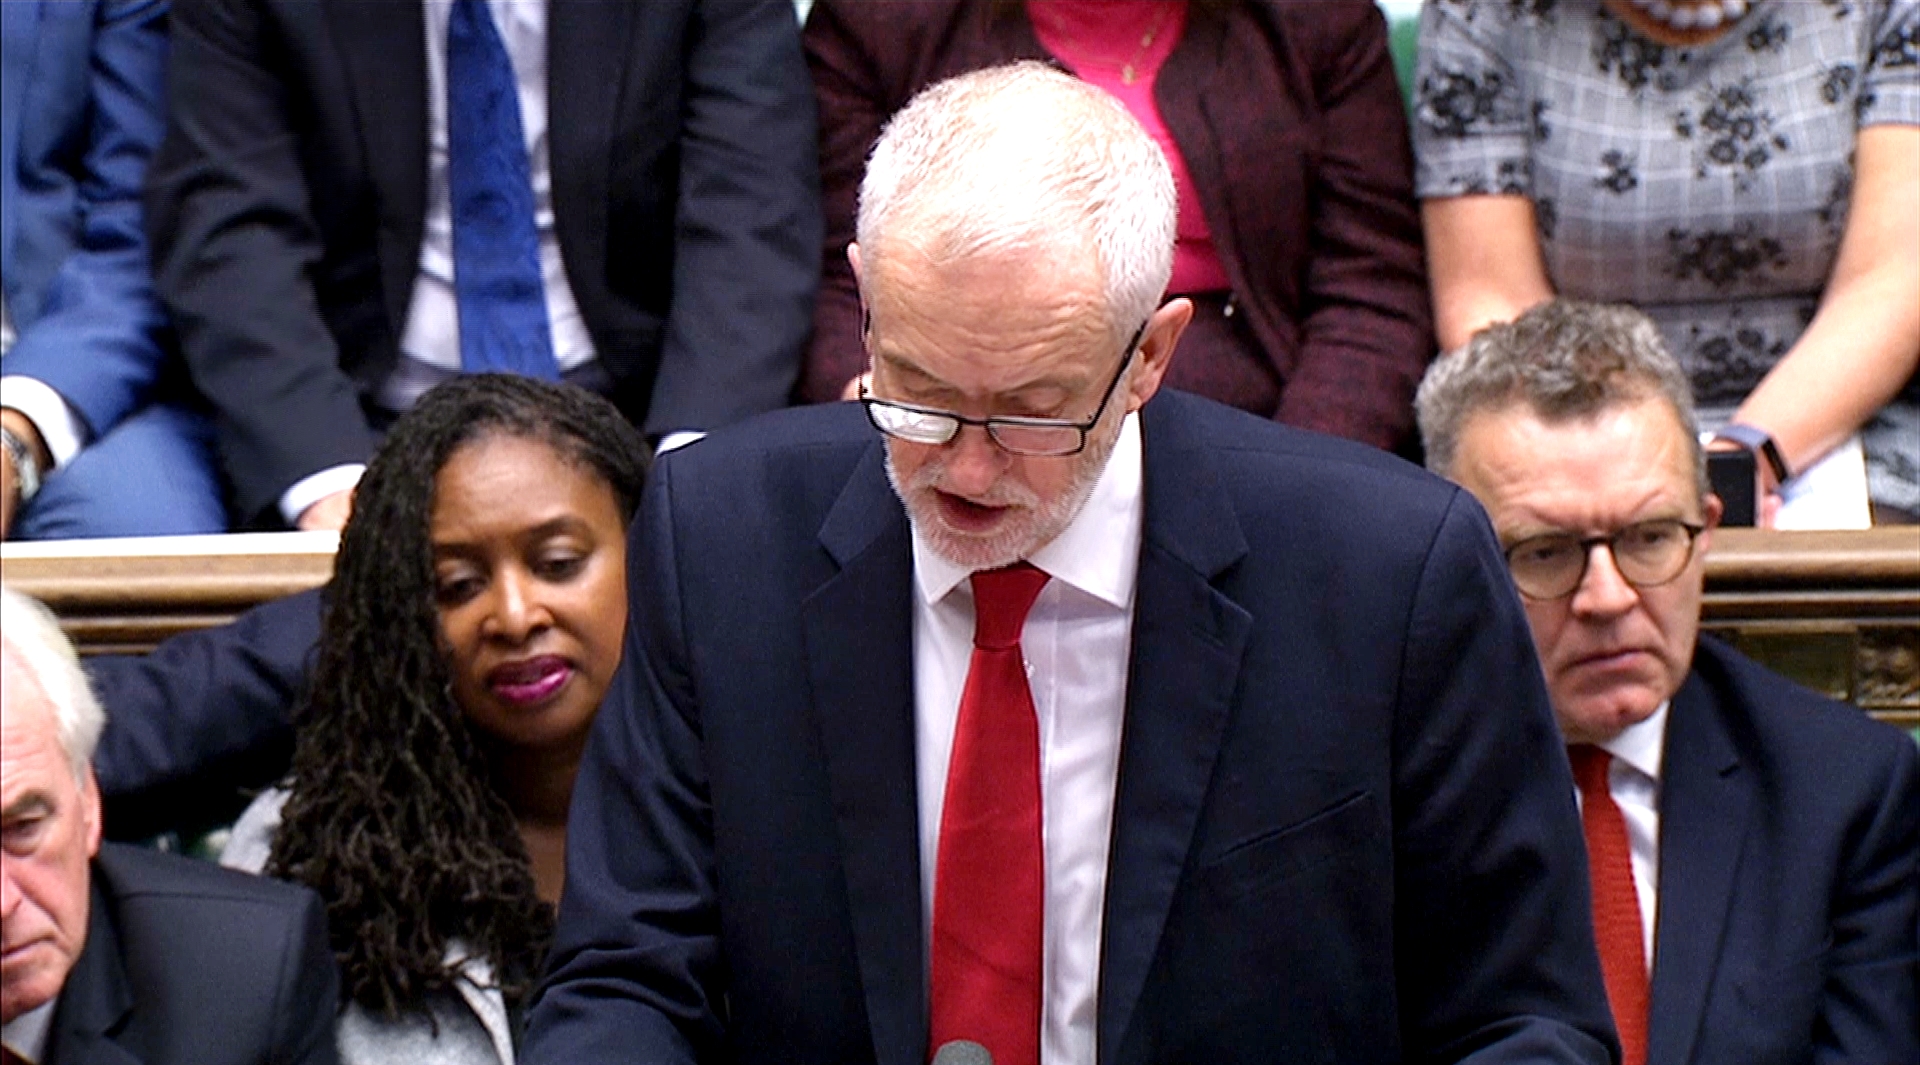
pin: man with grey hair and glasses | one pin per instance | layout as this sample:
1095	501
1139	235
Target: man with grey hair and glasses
1030	712
1752	846
117	954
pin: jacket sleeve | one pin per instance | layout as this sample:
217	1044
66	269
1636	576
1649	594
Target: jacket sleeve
853	109
1366	317
1494	943
203	716
98	337
235	249
634	975
747	227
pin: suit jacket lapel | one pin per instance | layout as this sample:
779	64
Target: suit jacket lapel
383	48
1704	814
858	629
97	998
19	37
1188	639
587	59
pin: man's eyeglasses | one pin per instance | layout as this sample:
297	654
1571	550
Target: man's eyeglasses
1647	554
1018	435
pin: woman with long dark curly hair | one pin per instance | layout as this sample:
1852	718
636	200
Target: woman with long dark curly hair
472	625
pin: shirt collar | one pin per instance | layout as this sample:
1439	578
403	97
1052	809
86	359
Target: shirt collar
26	1035
1642	745
1098	552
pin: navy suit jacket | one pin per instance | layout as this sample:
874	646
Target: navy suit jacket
190	964
198	725
1343	825
1789	837
288	202
81	112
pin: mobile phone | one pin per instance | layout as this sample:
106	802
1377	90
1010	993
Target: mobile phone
1736	480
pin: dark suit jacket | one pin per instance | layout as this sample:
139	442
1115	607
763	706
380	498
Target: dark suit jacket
1789	877
80	113
1343	825
1291	122
203	721
288	200
190	964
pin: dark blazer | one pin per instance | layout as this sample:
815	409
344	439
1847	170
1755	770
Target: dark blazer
80	114
1291	122
1343	827
204	720
288	200
190	964
1789	876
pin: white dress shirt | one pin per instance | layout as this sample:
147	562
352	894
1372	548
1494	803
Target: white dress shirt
1077	643
27	1035
430	344
1633	779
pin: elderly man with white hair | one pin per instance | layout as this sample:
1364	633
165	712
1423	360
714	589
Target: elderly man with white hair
1029	712
115	955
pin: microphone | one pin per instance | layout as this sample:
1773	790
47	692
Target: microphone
962	1052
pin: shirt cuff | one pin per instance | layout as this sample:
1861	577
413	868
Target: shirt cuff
60	427
314	487
677	439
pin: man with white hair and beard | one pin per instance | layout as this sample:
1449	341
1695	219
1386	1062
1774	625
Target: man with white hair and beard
115	954
1144	731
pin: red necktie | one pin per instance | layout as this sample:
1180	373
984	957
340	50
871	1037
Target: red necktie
1616	905
989	894
8	1057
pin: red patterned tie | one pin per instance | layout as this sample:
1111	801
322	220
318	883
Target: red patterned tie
989	894
1616	905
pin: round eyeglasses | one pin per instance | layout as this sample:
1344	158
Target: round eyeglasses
1647	554
1038	437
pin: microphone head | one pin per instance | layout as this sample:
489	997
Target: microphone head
962	1052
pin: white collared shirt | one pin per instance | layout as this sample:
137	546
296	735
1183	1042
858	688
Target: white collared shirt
1633	779
27	1034
1077	644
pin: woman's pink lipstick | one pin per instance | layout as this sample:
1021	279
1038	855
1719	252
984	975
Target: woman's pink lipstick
531	681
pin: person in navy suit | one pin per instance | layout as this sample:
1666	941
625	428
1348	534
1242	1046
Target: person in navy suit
321	201
203	723
115	955
101	435
1279	789
1771	836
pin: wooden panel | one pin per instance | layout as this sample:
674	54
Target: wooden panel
1836	611
127	595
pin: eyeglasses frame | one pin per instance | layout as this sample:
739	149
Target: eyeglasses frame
961	421
1588	543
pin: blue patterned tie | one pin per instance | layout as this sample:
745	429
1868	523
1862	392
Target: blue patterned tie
496	247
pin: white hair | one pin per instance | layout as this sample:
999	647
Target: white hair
1023	157
34	641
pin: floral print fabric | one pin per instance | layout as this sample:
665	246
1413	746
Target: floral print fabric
1707	186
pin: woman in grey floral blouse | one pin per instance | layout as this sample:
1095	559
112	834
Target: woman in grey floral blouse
1745	171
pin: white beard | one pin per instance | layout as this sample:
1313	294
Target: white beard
1030	523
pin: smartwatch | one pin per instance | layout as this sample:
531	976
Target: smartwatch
1760	442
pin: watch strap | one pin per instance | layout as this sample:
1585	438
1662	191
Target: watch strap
25	470
1760	442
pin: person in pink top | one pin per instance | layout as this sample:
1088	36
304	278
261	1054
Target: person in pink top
1299	240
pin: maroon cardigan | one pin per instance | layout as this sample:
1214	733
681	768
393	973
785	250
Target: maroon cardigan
1292	125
